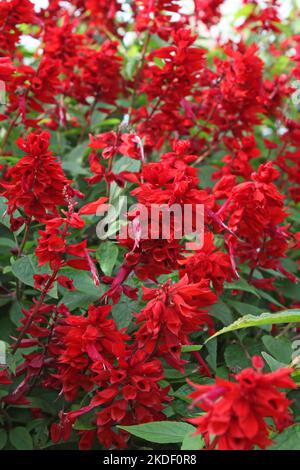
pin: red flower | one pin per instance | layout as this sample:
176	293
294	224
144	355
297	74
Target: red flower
6	68
208	263
81	341
94	207
127	394
236	412
66	282
241	84
37	182
172	313
136	393
12	14
208	11
5	378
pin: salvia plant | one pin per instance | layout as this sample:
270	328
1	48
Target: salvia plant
150	225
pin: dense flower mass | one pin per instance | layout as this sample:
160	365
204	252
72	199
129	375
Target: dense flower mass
236	411
36	183
150	224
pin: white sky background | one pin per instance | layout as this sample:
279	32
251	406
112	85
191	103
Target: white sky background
229	8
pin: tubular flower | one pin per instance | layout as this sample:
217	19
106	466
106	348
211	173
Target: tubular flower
236	412
172	313
81	341
37	182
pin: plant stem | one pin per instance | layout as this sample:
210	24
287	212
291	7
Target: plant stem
25	237
35	311
10	128
138	74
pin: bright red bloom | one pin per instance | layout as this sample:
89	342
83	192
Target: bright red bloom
99	74
94	207
172	313
263	241
136	393
6	69
236	412
12	14
30	89
53	246
208	11
208	263
127	394
81	341
4	377
154	15
37	183
241	84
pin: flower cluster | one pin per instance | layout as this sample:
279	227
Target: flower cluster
236	412
148	99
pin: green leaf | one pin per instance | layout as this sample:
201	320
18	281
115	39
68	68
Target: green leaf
3	438
86	291
82	280
222	312
4	219
244	11
107	255
74	300
242	285
190	348
235	358
191	442
20	438
272	363
289	289
289	439
242	307
7	242
15	313
24	269
162	432
280	348
285	316
212	354
83	423
126	164
72	161
123	311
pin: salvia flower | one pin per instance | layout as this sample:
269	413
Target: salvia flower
237	413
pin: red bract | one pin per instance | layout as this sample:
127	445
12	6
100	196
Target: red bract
53	246
37	183
171	315
263	241
236	412
129	394
208	11
155	14
138	397
79	342
6	68
241	84
260	18
208	263
30	89
12	14
99	74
